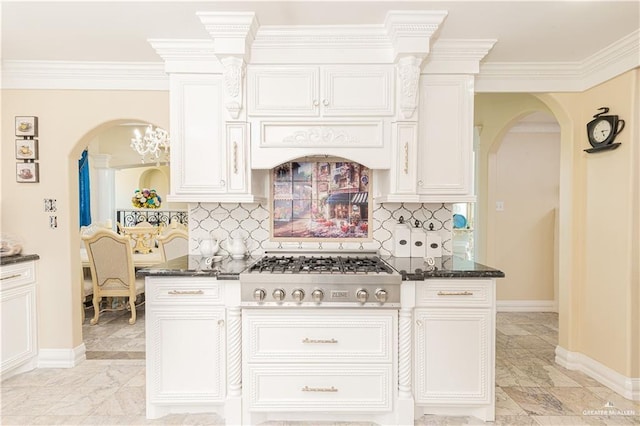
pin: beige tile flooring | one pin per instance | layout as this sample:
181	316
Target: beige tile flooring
109	388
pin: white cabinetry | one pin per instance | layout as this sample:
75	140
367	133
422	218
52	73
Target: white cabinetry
312	91
432	159
445	138
19	328
336	364
454	336
209	156
185	345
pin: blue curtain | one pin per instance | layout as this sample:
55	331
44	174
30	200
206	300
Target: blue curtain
85	189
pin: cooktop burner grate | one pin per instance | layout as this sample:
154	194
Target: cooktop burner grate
320	264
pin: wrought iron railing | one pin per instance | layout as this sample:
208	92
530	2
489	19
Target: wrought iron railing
154	217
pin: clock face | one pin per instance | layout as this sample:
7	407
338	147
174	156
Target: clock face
601	131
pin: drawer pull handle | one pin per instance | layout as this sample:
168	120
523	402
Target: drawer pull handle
307	340
455	293
308	389
186	292
11	276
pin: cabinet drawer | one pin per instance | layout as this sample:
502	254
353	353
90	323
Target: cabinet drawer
478	293
316	337
17	274
183	291
319	387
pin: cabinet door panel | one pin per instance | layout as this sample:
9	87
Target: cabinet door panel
18	325
357	91
198	154
453	356
278	91
445	149
186	362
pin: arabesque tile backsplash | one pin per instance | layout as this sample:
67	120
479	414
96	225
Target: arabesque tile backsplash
252	222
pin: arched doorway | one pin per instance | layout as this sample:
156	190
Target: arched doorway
116	171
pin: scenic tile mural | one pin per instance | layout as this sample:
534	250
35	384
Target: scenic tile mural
328	200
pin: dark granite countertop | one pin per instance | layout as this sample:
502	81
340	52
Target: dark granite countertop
18	258
411	268
415	268
196	266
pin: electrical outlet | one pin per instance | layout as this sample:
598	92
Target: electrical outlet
53	222
499	206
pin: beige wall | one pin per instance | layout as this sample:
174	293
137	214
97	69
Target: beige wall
600	298
524	176
68	120
599	253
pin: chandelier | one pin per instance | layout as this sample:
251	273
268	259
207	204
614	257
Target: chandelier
154	144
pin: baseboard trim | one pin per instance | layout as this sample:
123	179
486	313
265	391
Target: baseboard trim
61	358
527	306
626	386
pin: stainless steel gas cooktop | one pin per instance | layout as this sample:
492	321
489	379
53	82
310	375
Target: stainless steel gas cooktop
320	279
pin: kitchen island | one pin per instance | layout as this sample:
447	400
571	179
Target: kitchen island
199	350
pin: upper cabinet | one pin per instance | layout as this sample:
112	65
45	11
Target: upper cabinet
320	91
445	139
209	155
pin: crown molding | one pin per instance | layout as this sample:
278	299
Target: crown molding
613	60
460	56
84	75
232	32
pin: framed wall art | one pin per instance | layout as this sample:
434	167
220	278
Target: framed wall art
326	201
27	173
27	126
26	149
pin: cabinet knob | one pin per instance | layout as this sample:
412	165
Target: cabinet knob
325	102
420	183
316	103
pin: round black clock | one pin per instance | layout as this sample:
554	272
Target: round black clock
602	131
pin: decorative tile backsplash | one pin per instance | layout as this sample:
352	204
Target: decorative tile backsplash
251	222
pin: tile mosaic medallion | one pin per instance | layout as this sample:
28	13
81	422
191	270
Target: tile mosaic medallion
253	223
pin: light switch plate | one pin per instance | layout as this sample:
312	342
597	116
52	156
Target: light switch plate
50	205
499	206
53	222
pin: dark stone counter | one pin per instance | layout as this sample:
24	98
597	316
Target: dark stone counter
196	266
18	258
413	268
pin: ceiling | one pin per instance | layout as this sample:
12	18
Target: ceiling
526	31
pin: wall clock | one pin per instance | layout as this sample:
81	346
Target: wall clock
602	131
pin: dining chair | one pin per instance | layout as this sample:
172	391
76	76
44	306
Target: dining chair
173	243
143	236
112	271
87	283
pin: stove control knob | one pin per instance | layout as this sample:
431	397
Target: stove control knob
259	294
317	295
381	295
298	295
278	294
362	295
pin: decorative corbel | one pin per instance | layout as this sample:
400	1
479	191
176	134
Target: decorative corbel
233	76
409	76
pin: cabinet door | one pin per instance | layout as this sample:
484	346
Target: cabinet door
283	91
445	151
357	91
185	355
19	345
198	143
453	356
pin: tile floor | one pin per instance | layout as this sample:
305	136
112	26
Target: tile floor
109	388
